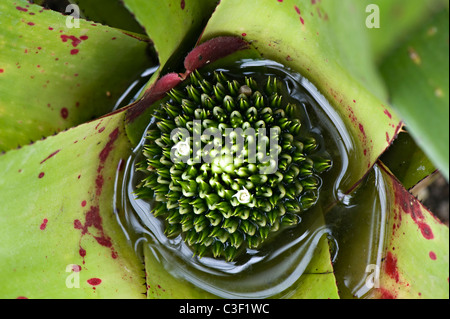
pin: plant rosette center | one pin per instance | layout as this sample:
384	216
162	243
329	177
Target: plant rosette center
227	164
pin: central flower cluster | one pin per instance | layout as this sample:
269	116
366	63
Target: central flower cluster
254	175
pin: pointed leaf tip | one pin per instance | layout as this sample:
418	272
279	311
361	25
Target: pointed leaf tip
153	94
213	50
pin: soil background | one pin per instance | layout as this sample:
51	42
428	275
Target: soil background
435	197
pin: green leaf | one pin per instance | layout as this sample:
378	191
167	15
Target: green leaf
184	19
415	263
53	77
109	12
56	201
313	38
318	281
407	161
381	220
417	75
398	19
357	222
163	285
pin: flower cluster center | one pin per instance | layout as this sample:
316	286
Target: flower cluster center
227	165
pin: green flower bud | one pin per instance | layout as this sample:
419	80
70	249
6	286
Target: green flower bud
172	230
290	220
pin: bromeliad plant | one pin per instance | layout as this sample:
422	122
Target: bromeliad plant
68	137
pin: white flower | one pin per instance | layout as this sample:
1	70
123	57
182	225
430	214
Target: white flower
243	196
182	148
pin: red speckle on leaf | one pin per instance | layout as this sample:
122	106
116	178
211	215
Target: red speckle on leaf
388	113
76	268
432	255
50	28
93	221
21	297
109	146
244	34
425	230
391	267
98	124
101	129
22	9
41	174
64	113
82	253
1	70
132	35
93	218
99	184
387	137
385	294
410	205
30	23
74	39
83	203
299	13
50	156
106	242
182	4
77	224
94	281
319	13
361	129
44	224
